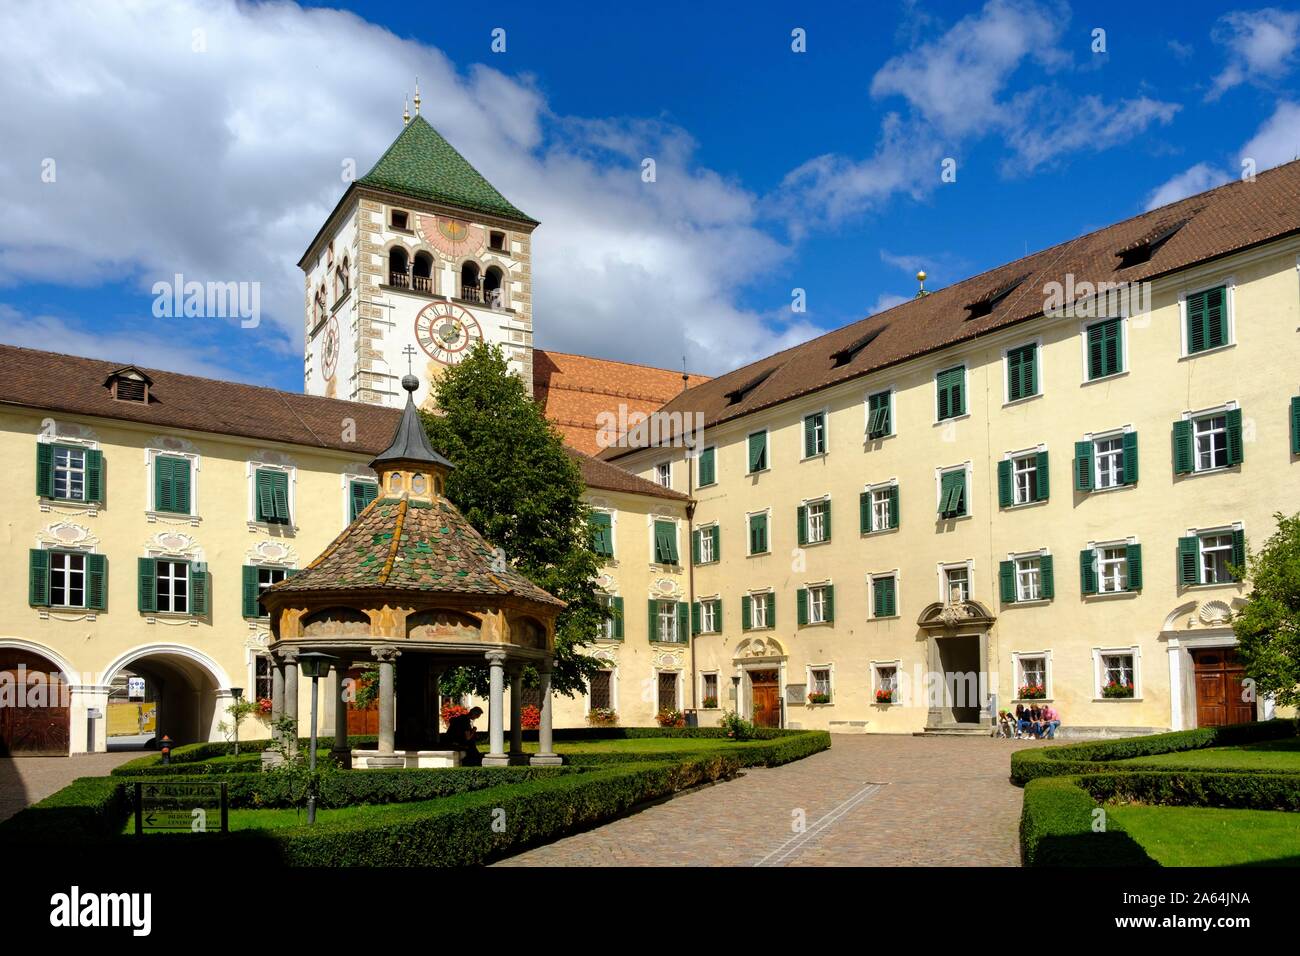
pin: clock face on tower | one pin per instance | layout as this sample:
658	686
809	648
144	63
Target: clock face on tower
329	351
446	332
452	237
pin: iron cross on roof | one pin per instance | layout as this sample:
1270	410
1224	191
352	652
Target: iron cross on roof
409	352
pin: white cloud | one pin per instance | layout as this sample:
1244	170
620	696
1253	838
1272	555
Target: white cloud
1261	46
222	165
1191	181
1277	140
1089	123
887	300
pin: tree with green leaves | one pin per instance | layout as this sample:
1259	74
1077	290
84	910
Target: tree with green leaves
523	492
1268	626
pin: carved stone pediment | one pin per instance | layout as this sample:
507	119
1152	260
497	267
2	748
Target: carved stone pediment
759	647
947	615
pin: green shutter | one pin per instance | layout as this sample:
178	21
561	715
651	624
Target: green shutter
951	400
280	485
864	512
1295	425
893	506
695	546
1130	465
746	612
771	609
1088	571
1044	483
602	534
654	620
809	436
1238	554
38	577
148	584
265	496
878	424
708	467
1104	351
1004	484
830	603
695	617
1207	320
1047	577
683	621
1196	322
45	470
716	533
1134	556
1236	449
717	616
1083	466
952	494
1022	374
616	605
1184	461
1007	581
96	582
94	475
171	484
878	606
801	597
826	520
249	591
757	449
361	493
198	591
1189	552
802	522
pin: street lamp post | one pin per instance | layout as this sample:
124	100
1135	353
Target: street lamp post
314	665
238	694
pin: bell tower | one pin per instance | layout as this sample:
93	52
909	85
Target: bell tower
421	252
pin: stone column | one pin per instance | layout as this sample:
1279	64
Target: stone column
387	656
545	755
517	715
982	682
496	755
435	675
291	694
277	693
341	750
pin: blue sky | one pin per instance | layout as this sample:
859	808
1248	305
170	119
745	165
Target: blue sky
206	138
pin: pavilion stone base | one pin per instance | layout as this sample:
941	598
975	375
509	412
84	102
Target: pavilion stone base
545	760
370	759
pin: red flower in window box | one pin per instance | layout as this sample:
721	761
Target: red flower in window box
1033	692
884	696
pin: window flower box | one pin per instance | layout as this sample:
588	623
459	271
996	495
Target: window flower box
667	717
601	717
1117	691
710	703
1033	692
818	698
885	696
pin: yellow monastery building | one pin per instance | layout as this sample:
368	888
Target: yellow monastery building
1038	492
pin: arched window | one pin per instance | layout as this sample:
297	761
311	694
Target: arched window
422	273
345	276
493	293
397	262
470	288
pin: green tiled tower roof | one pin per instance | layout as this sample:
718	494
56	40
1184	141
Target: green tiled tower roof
422	164
400	545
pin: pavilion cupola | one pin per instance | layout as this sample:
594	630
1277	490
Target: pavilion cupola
409	467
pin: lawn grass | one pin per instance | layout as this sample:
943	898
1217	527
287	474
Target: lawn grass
1281	756
1206	836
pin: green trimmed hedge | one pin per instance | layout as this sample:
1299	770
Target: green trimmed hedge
93	806
249	751
1198	788
1056	829
771	752
1096	756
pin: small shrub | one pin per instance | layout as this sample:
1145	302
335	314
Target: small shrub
737	727
668	717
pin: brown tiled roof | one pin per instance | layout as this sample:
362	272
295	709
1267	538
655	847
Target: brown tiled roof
54	382
399	545
574	389
1219	222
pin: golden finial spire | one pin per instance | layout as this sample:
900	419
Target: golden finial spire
920	277
417	96
406	111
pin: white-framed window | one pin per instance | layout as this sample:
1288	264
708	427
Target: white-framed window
1029	577
1112	569
667	614
271	493
1104	343
172	478
818	604
1210	433
173	584
704	536
1118	672
1216	555
818	523
1213	326
263	677
664	474
1022	372
885	686
760	610
1033	675
606	626
67	579
879	508
955	582
953	490
1108	456
819	684
709	616
602	690
814	434
1024	479
709	690
882	592
69	473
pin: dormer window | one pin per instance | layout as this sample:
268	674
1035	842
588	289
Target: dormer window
736	396
129	384
1143	249
847	354
986	303
497	241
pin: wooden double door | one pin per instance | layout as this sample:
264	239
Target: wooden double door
1219	693
766	687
